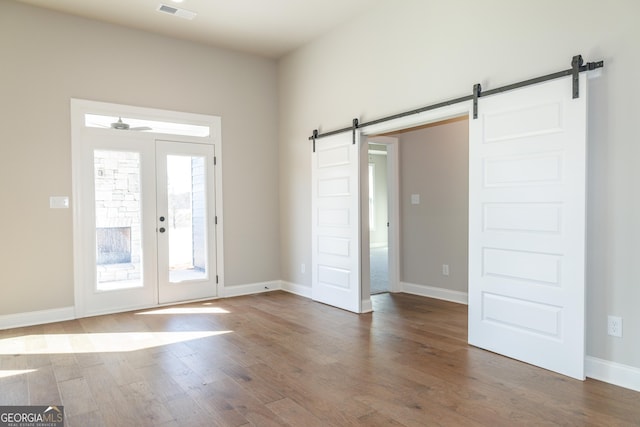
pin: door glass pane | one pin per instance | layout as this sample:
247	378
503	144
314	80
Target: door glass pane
118	220
186	191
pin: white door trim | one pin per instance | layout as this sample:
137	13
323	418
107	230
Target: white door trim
80	107
431	116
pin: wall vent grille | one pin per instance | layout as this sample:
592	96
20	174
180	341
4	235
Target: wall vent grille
167	9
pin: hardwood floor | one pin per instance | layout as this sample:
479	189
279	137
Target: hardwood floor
279	359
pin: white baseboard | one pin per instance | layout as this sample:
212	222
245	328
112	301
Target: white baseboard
612	373
18	320
434	292
294	288
250	289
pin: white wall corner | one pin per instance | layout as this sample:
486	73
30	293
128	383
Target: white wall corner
435	292
612	373
294	288
250	289
31	318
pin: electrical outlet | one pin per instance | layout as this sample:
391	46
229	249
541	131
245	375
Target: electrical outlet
614	326
445	269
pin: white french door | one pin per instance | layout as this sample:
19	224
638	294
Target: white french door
186	223
147	221
335	208
527	165
118	240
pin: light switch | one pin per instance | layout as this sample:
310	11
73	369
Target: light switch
59	202
415	199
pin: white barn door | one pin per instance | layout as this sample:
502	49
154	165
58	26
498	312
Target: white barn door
335	236
527	165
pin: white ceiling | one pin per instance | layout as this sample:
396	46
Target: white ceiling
266	27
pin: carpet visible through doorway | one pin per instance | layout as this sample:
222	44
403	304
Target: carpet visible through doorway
379	270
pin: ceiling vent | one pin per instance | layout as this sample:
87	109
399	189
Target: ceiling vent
182	13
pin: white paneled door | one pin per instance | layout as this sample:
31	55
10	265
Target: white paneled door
527	163
336	222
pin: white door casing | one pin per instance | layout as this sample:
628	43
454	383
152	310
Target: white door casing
335	178
527	179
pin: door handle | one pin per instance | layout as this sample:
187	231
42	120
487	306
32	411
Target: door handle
162	230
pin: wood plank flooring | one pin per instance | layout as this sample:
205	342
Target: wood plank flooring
278	359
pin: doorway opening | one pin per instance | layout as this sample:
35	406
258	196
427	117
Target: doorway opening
432	210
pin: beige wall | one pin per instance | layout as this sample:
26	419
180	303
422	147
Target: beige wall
47	58
411	53
434	163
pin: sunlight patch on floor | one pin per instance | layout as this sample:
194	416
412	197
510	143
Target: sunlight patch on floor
11	373
97	342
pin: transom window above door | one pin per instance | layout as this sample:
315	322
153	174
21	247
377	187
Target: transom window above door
145	125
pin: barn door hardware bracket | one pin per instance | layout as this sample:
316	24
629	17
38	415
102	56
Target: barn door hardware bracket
355	127
577	67
477	90
576	63
314	137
